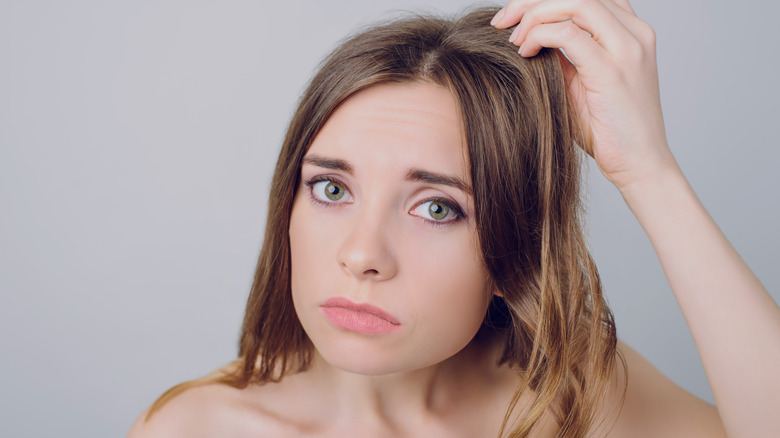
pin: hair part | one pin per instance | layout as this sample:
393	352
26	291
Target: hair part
522	135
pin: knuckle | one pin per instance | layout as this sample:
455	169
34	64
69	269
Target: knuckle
571	31
649	34
644	32
530	12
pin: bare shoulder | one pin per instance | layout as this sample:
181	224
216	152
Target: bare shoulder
655	406
212	410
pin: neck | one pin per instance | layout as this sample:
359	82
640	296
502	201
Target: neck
403	400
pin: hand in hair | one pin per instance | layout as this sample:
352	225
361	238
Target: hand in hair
613	81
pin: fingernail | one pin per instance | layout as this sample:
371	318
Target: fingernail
498	17
520	51
513	37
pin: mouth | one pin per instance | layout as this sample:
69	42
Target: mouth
362	318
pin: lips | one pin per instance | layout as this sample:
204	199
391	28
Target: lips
359	317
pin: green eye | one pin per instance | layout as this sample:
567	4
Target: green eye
438	210
334	191
329	191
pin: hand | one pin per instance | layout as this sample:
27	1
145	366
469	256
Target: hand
613	80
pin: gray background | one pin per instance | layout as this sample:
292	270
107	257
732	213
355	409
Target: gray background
137	140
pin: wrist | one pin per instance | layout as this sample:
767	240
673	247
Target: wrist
664	182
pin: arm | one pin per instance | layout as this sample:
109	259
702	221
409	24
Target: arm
613	83
734	321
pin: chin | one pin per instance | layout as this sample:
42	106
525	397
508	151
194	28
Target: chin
368	357
361	356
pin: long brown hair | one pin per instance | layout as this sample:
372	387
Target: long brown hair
522	136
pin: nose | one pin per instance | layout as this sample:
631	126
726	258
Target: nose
365	251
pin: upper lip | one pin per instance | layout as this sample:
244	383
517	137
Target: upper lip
360	307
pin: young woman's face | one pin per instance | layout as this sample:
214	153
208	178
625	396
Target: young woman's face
384	217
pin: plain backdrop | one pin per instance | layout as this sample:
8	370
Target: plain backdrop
137	140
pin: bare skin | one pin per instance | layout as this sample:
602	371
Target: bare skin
449	391
613	80
302	406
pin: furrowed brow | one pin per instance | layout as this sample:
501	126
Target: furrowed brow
328	163
438	178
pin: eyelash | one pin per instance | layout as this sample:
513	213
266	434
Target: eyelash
310	183
453	206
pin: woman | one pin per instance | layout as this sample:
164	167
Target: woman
424	271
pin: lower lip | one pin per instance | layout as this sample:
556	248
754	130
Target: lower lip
360	322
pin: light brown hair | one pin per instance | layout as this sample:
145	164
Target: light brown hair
522	136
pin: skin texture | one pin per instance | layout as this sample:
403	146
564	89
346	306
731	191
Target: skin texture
735	323
379	243
424	379
420	391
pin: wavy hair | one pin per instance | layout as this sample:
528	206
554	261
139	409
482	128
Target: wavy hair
522	135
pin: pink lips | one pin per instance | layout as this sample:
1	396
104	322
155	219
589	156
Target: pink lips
361	318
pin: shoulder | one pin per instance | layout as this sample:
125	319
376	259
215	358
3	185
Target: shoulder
213	410
197	411
654	405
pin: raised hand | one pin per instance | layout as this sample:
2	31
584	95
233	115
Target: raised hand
735	323
613	80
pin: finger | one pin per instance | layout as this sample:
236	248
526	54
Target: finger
511	14
580	48
627	16
641	30
514	11
592	16
624	4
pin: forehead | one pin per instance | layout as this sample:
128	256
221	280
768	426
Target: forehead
406	122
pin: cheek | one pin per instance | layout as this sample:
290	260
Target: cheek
309	263
309	246
451	293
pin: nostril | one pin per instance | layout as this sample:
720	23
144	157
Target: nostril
371	272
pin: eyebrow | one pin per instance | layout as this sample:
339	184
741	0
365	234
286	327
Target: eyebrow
438	178
418	175
328	163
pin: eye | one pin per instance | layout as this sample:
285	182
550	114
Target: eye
437	210
329	191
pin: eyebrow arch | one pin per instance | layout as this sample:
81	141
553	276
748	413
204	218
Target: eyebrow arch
328	163
438	178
